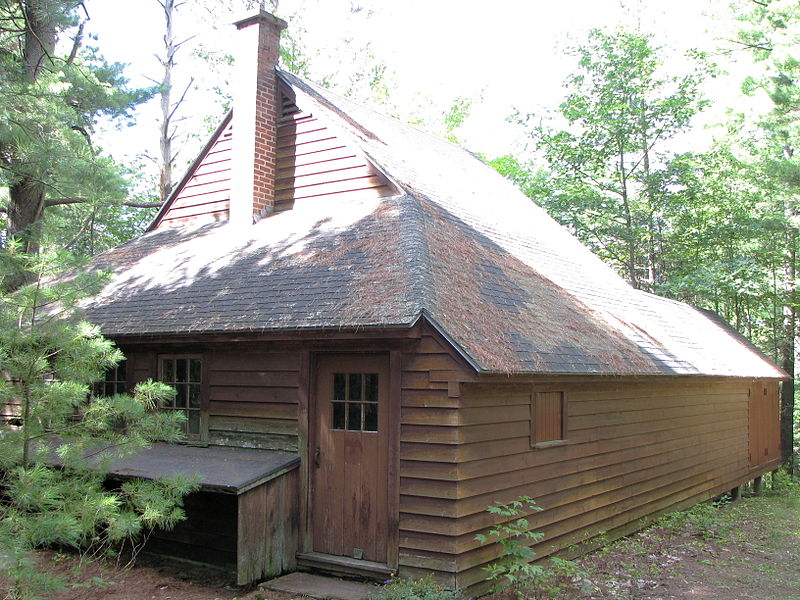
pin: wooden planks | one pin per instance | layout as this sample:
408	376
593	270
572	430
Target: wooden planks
268	529
253	399
631	448
315	161
204	194
251	394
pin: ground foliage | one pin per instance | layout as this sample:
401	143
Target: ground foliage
747	550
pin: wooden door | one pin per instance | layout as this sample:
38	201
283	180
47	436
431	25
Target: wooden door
349	454
763	412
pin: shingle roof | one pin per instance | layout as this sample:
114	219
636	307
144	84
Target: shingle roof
462	246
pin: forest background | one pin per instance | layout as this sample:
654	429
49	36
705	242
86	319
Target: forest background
664	138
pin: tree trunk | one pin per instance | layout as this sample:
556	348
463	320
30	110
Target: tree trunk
168	63
629	233
26	196
25	209
788	345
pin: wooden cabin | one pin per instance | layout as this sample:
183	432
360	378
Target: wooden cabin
404	338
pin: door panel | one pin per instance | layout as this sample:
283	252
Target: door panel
349	456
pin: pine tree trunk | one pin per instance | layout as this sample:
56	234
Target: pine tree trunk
27	195
25	209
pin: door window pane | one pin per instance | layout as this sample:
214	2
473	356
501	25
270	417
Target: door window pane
370	417
354	386
354	401
338	415
354	416
339	386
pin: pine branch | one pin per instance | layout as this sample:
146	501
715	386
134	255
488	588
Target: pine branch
79	200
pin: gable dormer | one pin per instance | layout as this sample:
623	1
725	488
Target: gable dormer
268	153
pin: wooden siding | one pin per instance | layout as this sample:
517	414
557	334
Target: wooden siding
268	529
431	377
631	449
253	399
314	160
204	194
251	396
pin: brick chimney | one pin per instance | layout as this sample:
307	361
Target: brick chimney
256	106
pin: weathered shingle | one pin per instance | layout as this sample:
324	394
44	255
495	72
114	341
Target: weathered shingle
507	284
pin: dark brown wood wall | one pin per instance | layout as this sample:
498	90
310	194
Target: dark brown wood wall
633	448
430	418
252	395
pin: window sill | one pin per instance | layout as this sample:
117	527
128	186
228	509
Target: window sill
550	444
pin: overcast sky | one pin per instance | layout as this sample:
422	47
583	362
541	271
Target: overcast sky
508	54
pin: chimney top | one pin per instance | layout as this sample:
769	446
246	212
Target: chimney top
256	108
261	16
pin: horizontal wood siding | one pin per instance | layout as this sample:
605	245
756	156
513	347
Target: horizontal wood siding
631	449
314	160
204	196
253	399
431	376
251	394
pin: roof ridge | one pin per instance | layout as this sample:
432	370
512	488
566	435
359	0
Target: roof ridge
323	93
418	259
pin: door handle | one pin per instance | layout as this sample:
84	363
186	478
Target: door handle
316	457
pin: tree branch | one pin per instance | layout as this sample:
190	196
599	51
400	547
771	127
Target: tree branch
79	200
76	44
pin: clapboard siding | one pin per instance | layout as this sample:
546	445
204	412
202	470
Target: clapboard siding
632	448
204	193
314	160
251	394
266	381
430	421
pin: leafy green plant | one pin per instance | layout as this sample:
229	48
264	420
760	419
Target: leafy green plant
514	536
414	589
515	567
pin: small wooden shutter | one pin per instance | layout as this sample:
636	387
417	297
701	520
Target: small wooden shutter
547	417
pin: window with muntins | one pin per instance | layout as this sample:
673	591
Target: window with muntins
115	381
547	417
184	374
354	401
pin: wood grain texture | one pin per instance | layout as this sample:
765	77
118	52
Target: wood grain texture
268	529
204	194
631	449
349	490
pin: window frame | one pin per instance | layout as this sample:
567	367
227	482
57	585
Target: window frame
535	434
100	387
362	401
200	438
